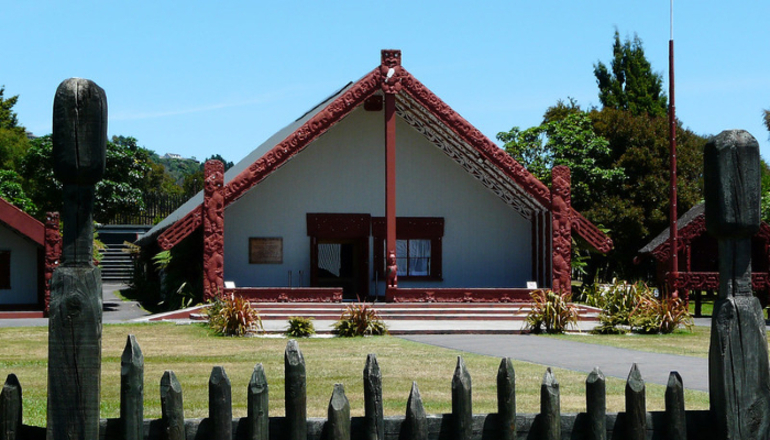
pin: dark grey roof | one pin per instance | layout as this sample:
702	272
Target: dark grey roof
684	220
243	164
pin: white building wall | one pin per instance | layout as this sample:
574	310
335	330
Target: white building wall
23	268
486	243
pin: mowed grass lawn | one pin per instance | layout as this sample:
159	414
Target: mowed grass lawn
191	352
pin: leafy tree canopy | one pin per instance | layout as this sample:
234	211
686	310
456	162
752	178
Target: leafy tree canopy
218	157
13	138
11	190
566	137
8	118
630	83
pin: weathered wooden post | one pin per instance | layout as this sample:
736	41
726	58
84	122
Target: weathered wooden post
739	375
506	399
338	414
373	412
550	407
416	419
258	405
636	406
676	417
75	323
172	407
462	404
596	405
132	391
10	409
295	392
220	405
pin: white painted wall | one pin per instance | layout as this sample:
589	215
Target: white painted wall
23	268
485	244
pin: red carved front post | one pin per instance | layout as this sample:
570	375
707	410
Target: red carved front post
52	252
390	71
213	230
562	227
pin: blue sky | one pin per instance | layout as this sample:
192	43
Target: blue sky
199	78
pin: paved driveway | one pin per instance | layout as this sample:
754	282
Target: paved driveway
578	356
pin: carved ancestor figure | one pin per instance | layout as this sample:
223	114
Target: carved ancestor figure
213	230
392	270
562	229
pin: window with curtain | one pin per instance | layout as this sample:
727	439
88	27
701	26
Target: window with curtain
413	257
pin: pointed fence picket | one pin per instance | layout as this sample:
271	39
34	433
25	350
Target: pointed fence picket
674	423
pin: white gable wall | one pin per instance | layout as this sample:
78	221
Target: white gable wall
23	268
485	244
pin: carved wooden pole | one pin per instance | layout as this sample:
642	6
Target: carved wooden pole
561	231
596	405
75	324
739	375
390	72
213	230
52	253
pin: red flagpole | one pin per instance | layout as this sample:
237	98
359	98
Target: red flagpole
672	143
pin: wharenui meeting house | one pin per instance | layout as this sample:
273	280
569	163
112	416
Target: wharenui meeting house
381	191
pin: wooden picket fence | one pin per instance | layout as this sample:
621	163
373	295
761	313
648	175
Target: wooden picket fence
633	424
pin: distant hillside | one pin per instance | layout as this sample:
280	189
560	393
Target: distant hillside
178	168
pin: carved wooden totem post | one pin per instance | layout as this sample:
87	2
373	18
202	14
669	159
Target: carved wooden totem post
562	230
213	230
739	376
75	323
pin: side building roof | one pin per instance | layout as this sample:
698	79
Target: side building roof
21	222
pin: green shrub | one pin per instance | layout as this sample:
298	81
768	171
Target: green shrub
664	315
552	312
233	316
616	302
300	327
359	320
635	307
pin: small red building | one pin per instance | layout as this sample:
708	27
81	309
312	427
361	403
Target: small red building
698	257
29	250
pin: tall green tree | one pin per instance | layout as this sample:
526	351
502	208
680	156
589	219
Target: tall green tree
13	138
630	83
566	137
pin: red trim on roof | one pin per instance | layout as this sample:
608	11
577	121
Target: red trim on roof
476	139
341	107
22	222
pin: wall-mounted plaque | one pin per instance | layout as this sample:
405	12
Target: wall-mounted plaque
265	250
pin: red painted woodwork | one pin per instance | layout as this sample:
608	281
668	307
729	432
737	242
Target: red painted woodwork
392	78
283	294
53	250
561	233
391	84
338	225
213	230
458	295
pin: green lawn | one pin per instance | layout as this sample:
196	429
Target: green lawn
191	352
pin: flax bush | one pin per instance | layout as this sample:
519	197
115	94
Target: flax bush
359	320
552	312
233	316
300	327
